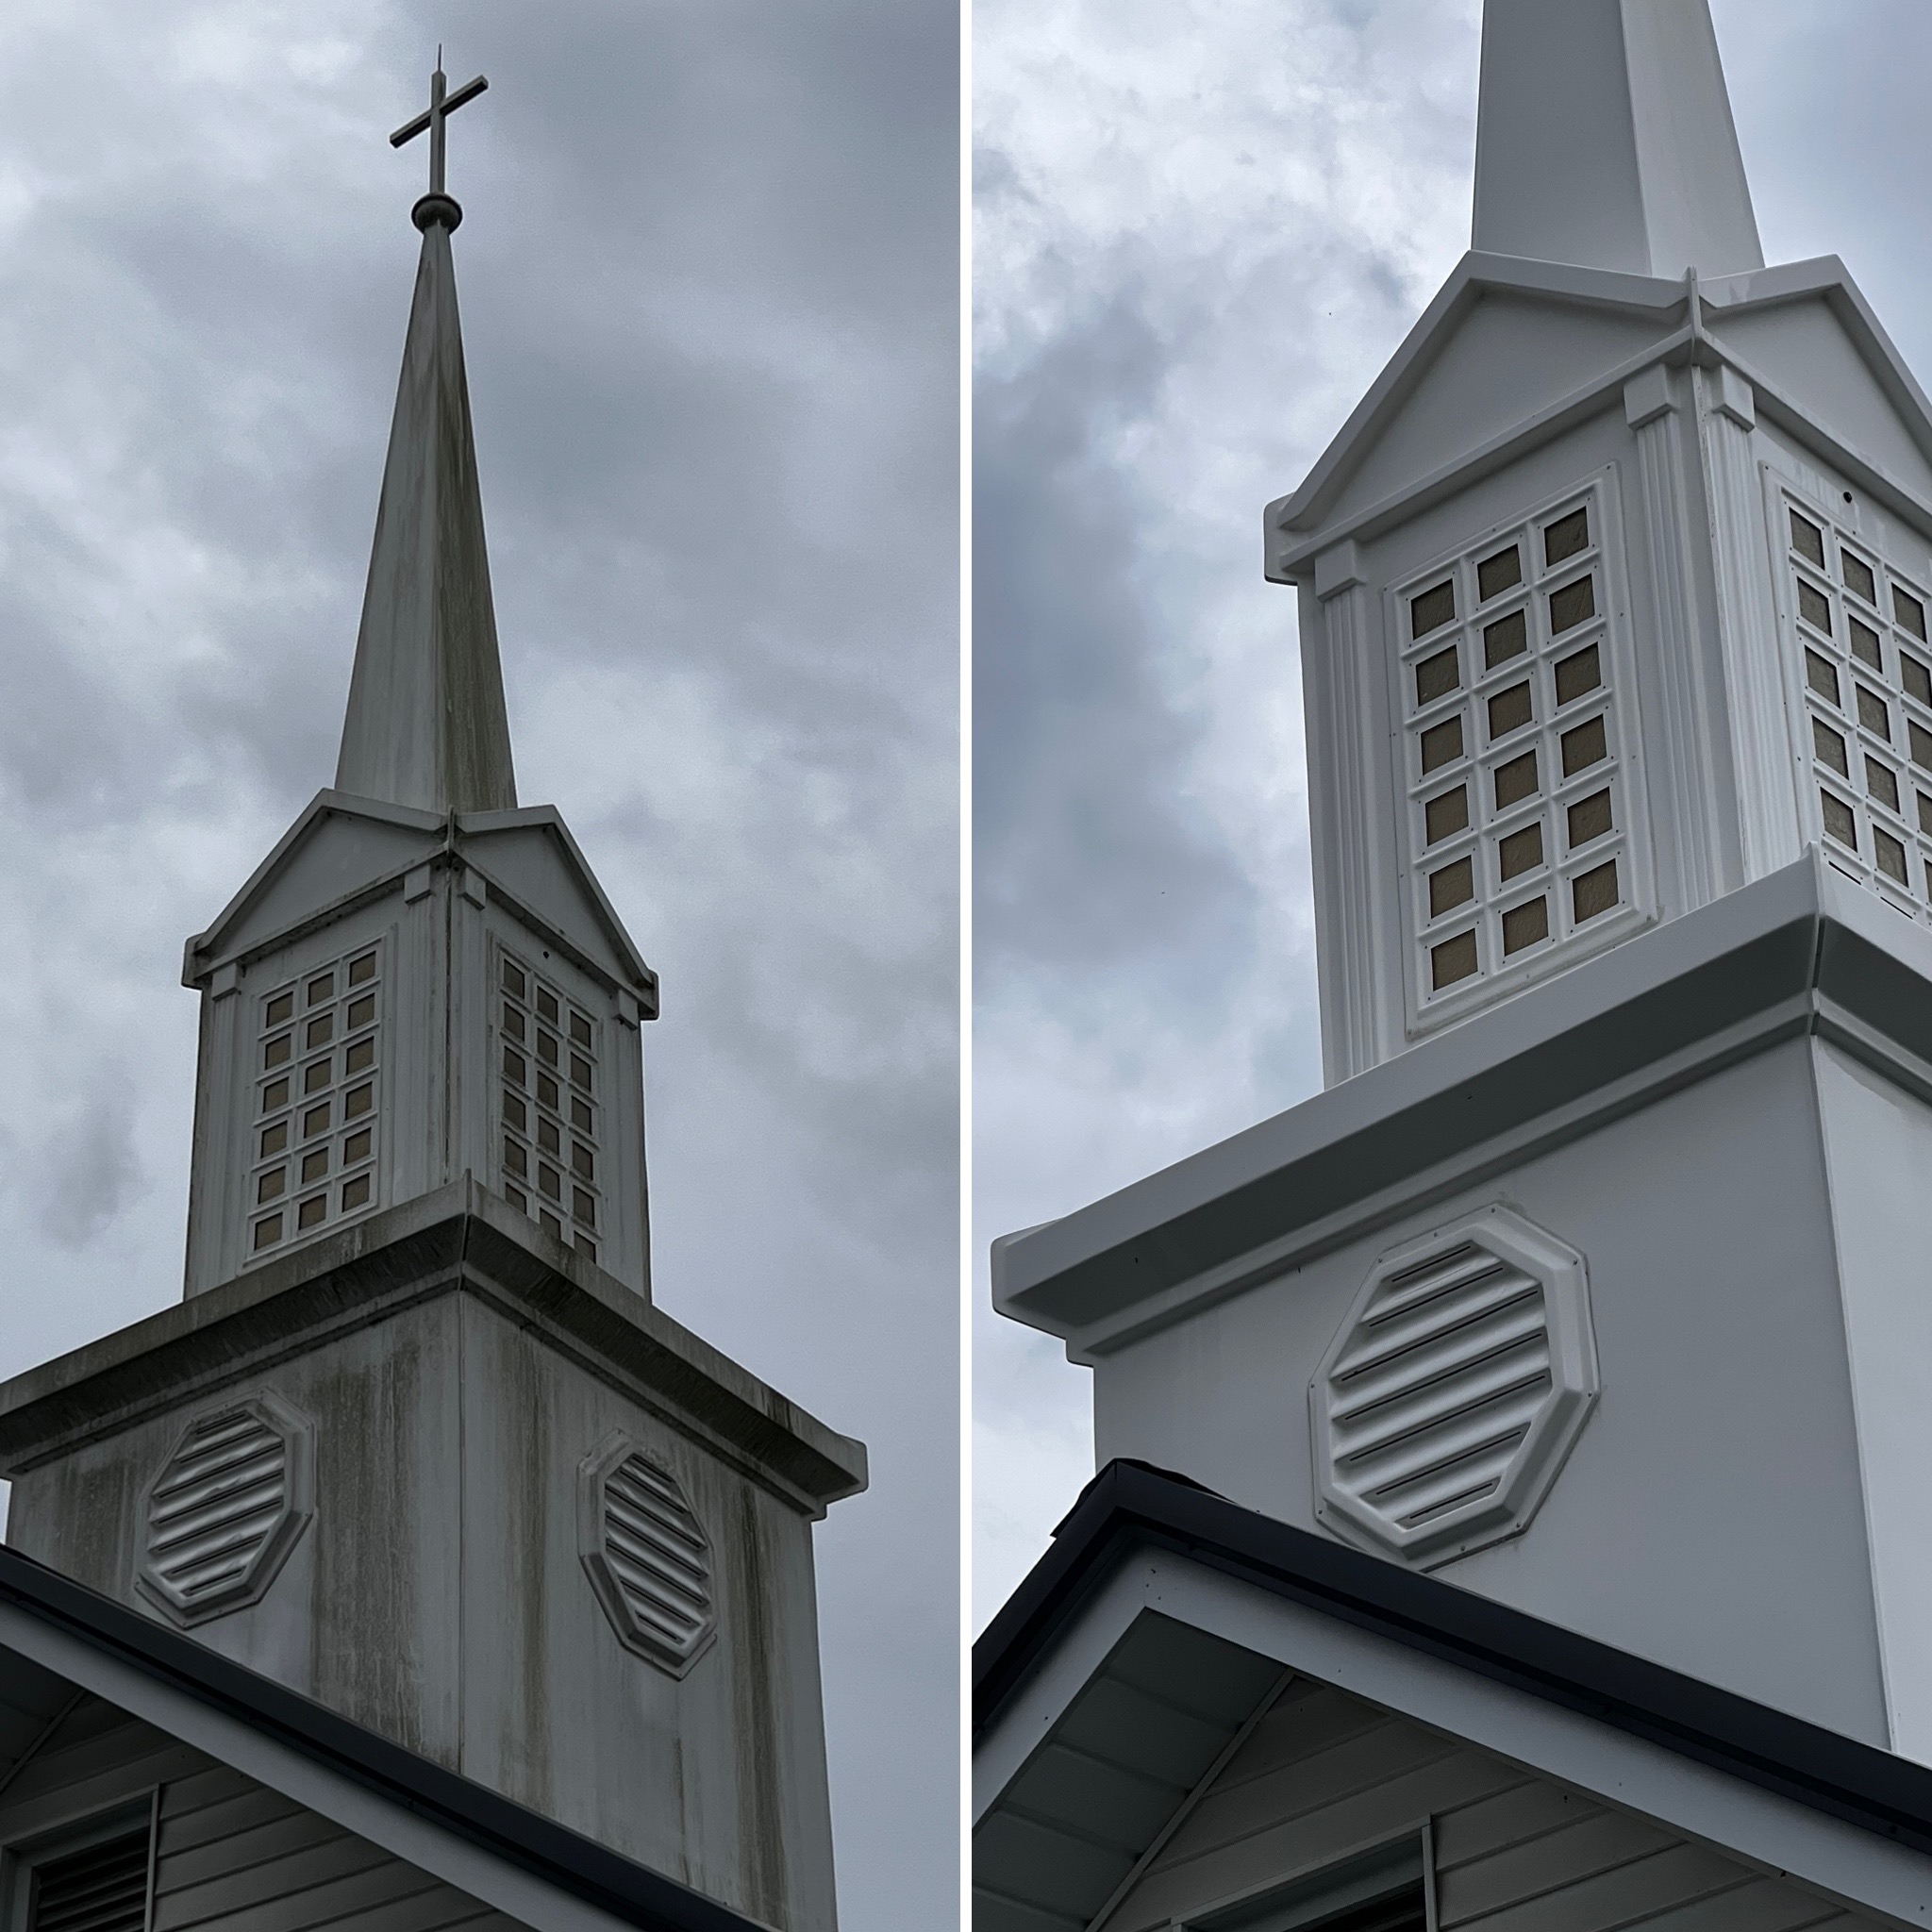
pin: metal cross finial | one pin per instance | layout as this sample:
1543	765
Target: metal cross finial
441	107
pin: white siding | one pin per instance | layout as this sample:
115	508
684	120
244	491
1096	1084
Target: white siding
1325	1774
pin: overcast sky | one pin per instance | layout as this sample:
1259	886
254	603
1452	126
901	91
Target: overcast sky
1200	231
709	286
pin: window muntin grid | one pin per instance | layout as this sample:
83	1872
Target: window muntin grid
549	1145
1515	773
317	1099
1864	666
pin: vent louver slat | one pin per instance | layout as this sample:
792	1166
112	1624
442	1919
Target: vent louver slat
647	1556
102	1888
1453	1388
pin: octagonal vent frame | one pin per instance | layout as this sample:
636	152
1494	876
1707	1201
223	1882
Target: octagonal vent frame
1454	1390
648	1555
230	1501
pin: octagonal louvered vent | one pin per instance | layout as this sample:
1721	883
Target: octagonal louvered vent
646	1554
226	1508
1447	1404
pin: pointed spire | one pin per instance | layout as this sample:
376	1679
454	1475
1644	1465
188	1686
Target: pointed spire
1604	138
426	725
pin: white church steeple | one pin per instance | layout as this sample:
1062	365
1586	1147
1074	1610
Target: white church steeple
1604	138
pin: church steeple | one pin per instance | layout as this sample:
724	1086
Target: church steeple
1604	139
426	725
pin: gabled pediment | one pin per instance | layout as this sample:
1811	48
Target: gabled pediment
343	851
1510	349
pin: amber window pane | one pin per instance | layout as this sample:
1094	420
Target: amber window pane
579	1069
1452	960
584	1206
1516	780
1821	675
356	1147
1572	605
512	1021
1584	747
1508	637
579	1115
1523	926
322	986
1453	885
1859	578
1881	783
279	1008
513	1112
1838	821
1578	674
315	1076
1814	608
583	1162
518	1199
272	1184
1443	743
514	1068
359	1100
1511	710
549	1180
314	1165
1891	856
1500	573
546	1047
546	1090
1443	816
275	1137
546	1005
354	1193
1432	609
548	1137
514	1158
1520	851
268	1230
360	1056
1566	537
1435	678
1590	818
580	1031
1915	677
1594	891
1865	644
1909	611
310	1212
1829	748
362	1011
273	1095
1808	539
514	979
279	1050
321	1031
315	1121
363	969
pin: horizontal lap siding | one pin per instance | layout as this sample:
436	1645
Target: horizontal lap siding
1325	1774
235	1857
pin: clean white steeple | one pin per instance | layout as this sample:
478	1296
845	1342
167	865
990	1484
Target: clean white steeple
1604	139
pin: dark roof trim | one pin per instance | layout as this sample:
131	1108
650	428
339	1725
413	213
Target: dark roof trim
577	1866
1130	1506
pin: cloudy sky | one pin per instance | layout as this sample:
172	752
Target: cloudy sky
1200	231
709	292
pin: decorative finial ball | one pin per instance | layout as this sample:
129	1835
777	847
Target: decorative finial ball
444	211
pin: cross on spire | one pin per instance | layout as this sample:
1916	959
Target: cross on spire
438	202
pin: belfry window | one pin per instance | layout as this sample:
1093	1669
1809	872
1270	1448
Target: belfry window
1864	662
1515	772
312	1127
550	1101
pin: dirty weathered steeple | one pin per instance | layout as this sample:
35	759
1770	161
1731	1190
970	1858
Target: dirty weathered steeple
426	725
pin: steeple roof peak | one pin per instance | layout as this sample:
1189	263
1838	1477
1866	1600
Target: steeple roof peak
1604	139
426	725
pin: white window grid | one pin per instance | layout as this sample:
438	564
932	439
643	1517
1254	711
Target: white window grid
549	1148
1542	863
1862	665
313	1132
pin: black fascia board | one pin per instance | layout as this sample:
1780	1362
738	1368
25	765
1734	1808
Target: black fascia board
1131	1506
577	1866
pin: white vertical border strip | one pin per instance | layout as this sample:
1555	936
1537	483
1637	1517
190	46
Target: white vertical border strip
964	1759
